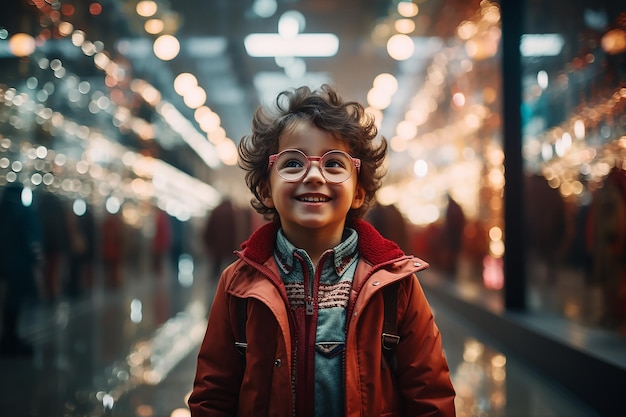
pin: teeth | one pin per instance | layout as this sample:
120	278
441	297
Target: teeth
313	199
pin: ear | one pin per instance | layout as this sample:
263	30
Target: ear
266	195
359	197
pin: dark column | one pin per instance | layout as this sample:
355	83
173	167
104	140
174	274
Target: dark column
514	259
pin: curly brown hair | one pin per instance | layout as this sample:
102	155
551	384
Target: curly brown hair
325	109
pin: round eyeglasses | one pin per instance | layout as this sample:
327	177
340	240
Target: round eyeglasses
336	166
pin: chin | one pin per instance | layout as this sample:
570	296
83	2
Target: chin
318	224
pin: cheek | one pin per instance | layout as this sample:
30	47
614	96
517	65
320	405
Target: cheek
277	191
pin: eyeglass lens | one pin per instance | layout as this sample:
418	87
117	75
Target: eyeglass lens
336	166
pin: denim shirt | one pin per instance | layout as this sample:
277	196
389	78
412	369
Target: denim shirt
335	282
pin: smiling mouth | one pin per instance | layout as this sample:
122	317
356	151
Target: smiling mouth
313	199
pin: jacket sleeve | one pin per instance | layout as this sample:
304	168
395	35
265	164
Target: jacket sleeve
423	371
220	366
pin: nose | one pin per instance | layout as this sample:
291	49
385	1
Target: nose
314	174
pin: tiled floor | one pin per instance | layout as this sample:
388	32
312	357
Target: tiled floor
131	352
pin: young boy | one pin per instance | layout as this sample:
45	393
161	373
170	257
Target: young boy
313	279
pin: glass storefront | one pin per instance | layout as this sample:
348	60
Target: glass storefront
574	148
447	175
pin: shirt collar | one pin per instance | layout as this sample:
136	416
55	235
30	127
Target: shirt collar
343	255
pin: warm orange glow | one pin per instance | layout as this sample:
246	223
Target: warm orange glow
614	41
65	28
154	26
22	44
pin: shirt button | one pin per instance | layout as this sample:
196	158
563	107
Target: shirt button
278	363
376	283
417	264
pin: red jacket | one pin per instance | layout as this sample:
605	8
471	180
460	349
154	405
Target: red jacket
222	386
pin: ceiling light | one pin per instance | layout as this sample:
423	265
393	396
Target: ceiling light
166	47
400	47
378	99
404	25
408	9
541	45
303	45
289	42
146	8
386	82
195	97
291	23
154	26
264	8
184	82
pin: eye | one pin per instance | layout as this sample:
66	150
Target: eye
336	161
291	161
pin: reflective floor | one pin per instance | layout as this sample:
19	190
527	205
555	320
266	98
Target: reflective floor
131	352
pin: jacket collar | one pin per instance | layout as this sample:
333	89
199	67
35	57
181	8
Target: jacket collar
340	257
373	247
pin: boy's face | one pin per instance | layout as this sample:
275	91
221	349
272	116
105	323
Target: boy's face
312	205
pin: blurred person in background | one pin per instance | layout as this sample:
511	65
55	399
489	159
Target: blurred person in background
452	235
56	244
390	223
83	233
20	260
181	241
545	227
220	236
162	240
606	242
112	246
